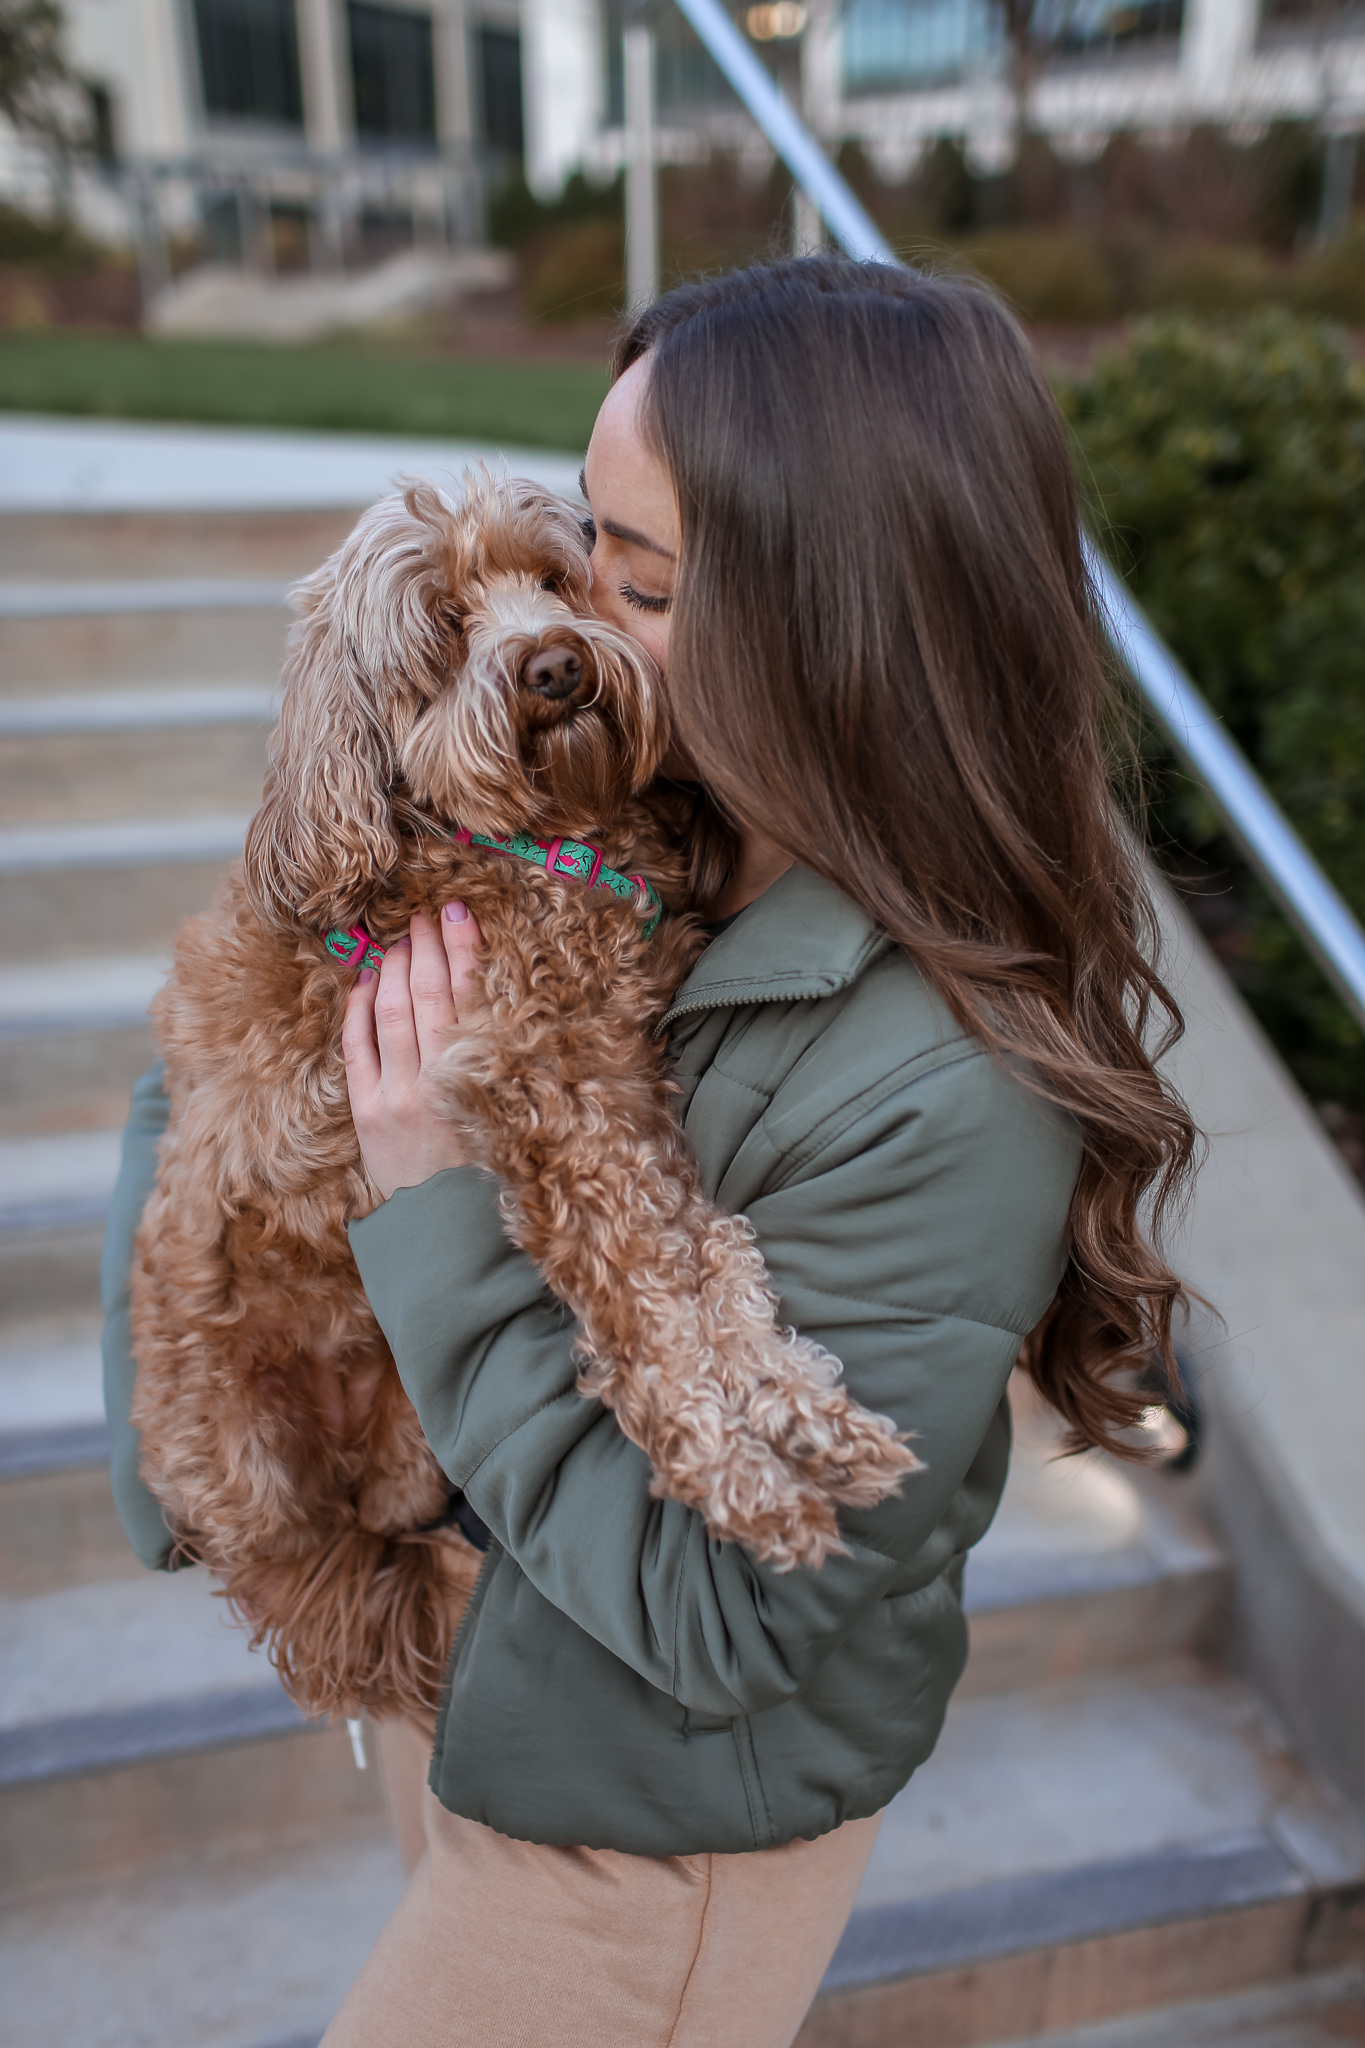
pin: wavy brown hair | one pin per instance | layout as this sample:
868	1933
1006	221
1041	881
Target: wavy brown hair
886	656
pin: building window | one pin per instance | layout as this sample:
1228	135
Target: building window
900	44
891	43
1080	25
394	72
500	118
249	61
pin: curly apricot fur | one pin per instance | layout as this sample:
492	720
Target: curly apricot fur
274	1429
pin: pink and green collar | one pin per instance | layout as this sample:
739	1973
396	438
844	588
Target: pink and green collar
572	858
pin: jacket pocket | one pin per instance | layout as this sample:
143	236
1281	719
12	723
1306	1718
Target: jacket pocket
695	1723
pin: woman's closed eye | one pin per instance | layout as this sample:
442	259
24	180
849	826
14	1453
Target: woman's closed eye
640	600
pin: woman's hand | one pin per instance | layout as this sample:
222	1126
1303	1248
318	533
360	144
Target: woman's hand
398	1022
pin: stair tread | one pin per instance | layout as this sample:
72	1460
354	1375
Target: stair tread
95	991
222	1952
122	842
156	707
103	597
1098	1773
1319	2012
119	1644
64	1178
50	1378
57	465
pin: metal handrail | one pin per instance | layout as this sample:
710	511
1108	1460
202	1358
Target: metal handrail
1317	912
842	214
1314	908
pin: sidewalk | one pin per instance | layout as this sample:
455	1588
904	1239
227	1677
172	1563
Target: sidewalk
66	465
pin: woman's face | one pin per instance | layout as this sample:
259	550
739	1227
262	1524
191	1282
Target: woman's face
635	516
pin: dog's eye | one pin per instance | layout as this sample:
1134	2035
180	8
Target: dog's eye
554	583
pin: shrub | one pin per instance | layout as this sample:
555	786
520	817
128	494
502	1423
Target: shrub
1226	471
575	273
55	245
1048	273
1333	281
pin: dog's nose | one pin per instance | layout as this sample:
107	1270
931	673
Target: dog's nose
554	672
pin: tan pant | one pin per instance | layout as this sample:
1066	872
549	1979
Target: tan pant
503	1944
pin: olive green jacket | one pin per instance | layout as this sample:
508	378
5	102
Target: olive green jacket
621	1679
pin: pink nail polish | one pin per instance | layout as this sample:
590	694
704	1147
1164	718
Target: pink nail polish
365	974
456	913
399	942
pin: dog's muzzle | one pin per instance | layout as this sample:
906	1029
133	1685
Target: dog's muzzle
554	673
557	676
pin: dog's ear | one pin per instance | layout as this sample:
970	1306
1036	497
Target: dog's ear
362	659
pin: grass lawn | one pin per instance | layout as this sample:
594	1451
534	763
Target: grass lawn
343	386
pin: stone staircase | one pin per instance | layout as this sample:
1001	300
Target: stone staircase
1112	1843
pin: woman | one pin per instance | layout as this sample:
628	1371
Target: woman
834	502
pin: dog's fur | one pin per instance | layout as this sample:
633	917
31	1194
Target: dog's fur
274	1429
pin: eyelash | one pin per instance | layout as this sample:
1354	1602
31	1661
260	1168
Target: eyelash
638	601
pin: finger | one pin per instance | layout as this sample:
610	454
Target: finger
460	931
395	1027
433	1006
358	1047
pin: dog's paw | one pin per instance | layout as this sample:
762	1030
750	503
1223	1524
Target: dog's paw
836	1445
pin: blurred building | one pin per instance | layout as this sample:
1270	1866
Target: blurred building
359	119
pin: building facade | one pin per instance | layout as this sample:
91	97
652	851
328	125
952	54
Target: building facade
224	115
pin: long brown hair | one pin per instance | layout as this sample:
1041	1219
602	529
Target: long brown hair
885	655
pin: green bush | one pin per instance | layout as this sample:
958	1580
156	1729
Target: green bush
575	273
1226	472
1082	276
1056	274
55	245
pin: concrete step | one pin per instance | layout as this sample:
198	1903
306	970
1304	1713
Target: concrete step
74	1036
86	546
50	778
54	1195
160	708
52	1181
1076	1852
136	1726
1314	2012
1065	1858
121	649
71	890
109	597
239	1950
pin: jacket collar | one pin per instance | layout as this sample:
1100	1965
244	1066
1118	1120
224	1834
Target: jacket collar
801	939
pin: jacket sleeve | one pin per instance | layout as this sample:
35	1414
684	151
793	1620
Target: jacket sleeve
929	1198
139	1512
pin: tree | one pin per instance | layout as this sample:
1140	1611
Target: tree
35	80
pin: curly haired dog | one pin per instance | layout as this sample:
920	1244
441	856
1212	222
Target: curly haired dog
447	679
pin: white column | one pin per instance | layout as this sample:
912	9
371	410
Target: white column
165	106
642	179
561	76
454	112
1218	38
324	62
455	119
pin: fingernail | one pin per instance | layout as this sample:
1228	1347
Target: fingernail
401	942
365	974
456	913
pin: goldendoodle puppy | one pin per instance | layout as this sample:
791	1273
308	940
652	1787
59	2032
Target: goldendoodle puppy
455	722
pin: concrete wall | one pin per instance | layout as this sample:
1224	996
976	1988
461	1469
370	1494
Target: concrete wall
1276	1240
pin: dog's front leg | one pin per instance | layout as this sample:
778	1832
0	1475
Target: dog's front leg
740	1418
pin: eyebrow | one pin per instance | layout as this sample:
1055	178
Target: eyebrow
629	534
